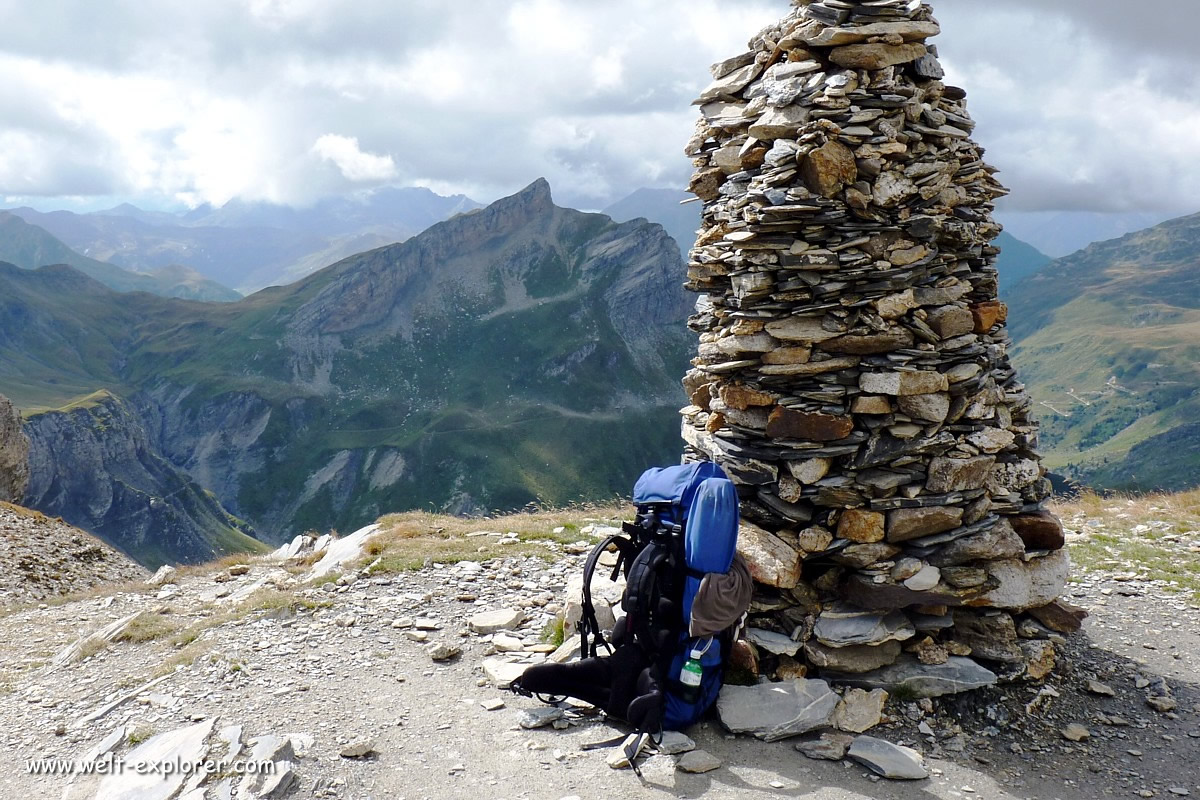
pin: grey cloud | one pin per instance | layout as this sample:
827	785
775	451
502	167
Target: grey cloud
1147	28
483	97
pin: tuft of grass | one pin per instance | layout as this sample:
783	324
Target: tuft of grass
409	540
29	513
276	600
185	658
92	647
147	628
139	735
268	601
535	524
555	632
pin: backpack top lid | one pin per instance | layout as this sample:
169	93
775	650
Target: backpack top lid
674	485
712	527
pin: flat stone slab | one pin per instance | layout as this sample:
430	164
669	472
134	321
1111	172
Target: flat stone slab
887	759
773	642
857	658
502	673
828	747
673	743
504	619
137	782
698	762
860	710
910	676
774	711
842	627
534	718
342	551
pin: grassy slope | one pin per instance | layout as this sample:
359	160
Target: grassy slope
1154	537
1109	342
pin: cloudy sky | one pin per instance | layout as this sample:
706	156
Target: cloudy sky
1084	104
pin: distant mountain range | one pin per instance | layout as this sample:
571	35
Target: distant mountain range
30	246
1108	340
666	207
250	245
514	354
1017	261
1060	233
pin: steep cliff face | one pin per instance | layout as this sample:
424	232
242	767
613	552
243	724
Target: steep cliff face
92	464
14	454
216	440
516	353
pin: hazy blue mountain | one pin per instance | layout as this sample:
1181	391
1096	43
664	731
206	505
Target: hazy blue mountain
411	209
251	245
662	206
1017	261
29	247
1060	233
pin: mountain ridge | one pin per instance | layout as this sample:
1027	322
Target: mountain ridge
250	245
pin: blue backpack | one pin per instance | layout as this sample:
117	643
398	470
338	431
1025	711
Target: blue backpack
653	674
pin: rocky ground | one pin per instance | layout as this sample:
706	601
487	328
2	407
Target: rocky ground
44	557
339	681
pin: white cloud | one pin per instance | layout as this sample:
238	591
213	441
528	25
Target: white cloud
226	98
223	99
355	165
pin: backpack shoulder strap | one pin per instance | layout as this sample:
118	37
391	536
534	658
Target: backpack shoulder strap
591	638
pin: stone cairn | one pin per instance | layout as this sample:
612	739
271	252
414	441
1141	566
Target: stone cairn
852	375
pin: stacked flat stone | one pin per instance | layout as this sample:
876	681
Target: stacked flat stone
852	375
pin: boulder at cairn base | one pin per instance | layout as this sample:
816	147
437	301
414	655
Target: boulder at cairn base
773	711
910	677
852	373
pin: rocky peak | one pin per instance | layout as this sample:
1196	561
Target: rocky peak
14	453
503	217
537	196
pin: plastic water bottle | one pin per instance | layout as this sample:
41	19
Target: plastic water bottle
691	676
